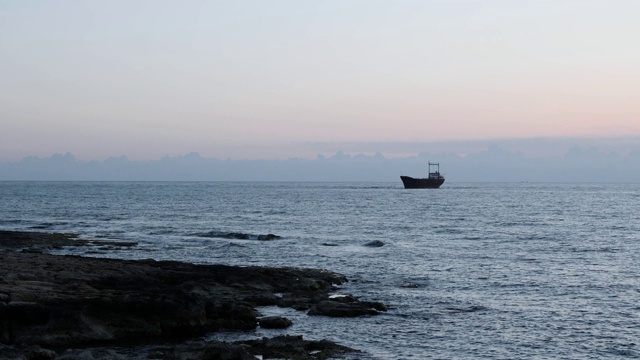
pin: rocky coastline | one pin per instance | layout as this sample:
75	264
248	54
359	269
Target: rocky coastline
73	307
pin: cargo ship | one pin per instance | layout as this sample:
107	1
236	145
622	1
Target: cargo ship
433	181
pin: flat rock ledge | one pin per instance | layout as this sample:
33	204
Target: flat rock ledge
52	303
279	347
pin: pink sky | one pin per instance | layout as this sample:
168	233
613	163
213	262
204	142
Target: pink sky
247	79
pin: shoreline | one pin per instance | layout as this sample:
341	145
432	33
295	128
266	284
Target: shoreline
52	303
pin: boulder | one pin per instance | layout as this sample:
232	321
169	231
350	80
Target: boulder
274	322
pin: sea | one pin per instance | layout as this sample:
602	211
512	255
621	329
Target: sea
469	271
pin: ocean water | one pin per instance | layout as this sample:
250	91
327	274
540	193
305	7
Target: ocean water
487	270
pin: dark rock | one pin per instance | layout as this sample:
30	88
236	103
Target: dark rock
23	313
262	299
338	309
213	350
294	347
36	242
349	299
92	354
238	236
301	307
26	352
281	347
274	322
346	306
32	250
375	243
18	240
268	237
300	299
64	302
409	285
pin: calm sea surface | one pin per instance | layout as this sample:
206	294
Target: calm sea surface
499	271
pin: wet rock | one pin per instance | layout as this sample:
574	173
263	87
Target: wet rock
274	322
268	237
346	306
18	240
36	242
262	299
70	300
294	347
211	350
26	352
238	236
374	243
32	250
243	236
336	309
92	354
280	347
65	302
409	285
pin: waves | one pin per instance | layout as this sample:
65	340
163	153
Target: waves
470	270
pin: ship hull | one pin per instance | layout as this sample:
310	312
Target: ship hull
424	183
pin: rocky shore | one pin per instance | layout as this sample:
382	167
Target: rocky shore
72	307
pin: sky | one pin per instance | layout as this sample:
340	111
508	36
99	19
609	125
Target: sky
272	79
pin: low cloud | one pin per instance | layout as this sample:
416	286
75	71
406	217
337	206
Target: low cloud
535	160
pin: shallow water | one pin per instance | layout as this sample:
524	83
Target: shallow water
497	271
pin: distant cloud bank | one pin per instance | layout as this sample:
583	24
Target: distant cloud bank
535	160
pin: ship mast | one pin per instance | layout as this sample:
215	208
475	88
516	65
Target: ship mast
437	165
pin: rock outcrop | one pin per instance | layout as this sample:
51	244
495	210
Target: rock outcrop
279	347
51	301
